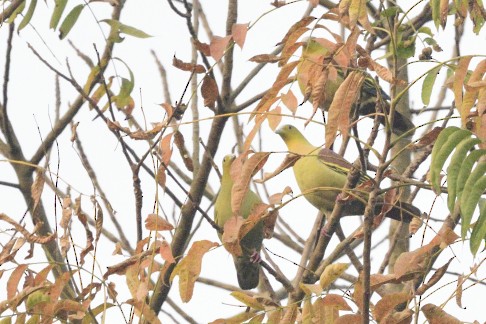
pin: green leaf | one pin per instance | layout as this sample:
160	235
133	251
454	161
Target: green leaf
475	186
125	29
479	230
426	30
16	12
455	166
28	15
435	6
465	171
472	201
445	143
57	13
430	41
428	84
69	21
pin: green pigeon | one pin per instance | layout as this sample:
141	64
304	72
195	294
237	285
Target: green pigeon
321	174
247	268
315	52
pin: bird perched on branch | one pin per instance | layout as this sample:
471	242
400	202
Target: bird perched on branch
321	174
323	69
247	269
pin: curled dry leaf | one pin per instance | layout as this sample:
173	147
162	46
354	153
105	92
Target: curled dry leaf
154	222
31	238
186	158
288	162
438	274
415	224
37	187
274	118
197	68
265	58
202	47
436	315
276	199
385	306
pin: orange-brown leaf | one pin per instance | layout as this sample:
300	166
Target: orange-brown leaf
161	177
238	31
142	309
288	162
340	108
290	101
274	118
37	187
460	281
242	184
209	91
443	12
154	222
459	77
438	274
230	235
197	68
189	268
387	304
166	149
14	280
166	252
186	158
265	58
436	315
218	46
202	47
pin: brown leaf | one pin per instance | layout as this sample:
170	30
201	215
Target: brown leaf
438	274
238	31
161	176
349	319
98	220
31	238
209	91
13	281
428	138
443	12
290	101
180	144
41	276
386	305
197	68
168	109
248	300
37	187
436	315
459	77
331	273
269	223
253	219
166	252
166	149
414	225
66	213
276	199
142	309
189	268
218	46
265	58
118	249
154	222
274	118
230	237
344	98
121	268
202	47
410	264
242	183
288	162
460	281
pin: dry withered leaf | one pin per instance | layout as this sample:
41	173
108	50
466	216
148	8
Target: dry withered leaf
209	91
438	274
274	118
37	187
14	279
197	68
154	222
265	58
189	268
202	47
166	252
74	135
230	235
436	315
218	46
166	149
186	157
288	162
460	281
290	101
238	31
386	305
245	174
